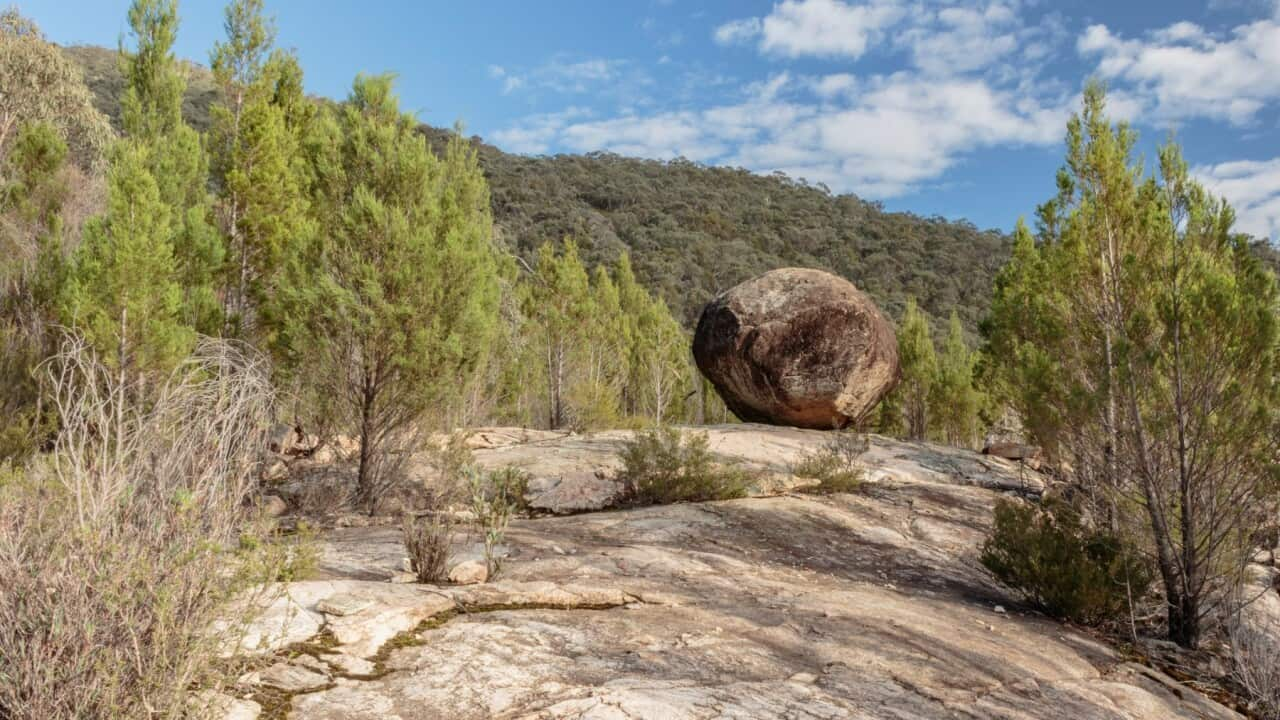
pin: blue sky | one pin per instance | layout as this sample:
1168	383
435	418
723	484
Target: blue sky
940	108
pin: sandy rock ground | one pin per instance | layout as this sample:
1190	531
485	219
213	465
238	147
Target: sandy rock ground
865	605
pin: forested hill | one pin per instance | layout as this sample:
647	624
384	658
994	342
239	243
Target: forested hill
694	230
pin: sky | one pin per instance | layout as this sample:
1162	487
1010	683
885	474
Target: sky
954	109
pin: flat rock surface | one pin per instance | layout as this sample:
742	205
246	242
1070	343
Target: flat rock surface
866	605
575	473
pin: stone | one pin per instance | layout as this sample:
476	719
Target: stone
470	572
225	707
275	471
281	439
343	604
273	505
797	347
288	677
862	606
349	665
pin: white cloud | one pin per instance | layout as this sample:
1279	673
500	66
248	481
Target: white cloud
559	75
829	86
897	133
737	31
535	134
824	28
1253	189
1183	71
958	39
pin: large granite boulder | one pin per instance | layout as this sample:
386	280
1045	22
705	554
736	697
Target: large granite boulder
797	347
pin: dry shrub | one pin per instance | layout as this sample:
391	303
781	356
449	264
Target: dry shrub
837	465
119	548
664	465
1255	661
429	541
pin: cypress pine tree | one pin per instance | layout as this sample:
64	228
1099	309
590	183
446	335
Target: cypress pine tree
254	150
406	299
955	401
919	365
123	292
151	113
559	304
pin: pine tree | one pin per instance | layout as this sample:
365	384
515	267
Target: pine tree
151	114
559	304
254	148
954	401
123	293
406	299
919	364
1152	339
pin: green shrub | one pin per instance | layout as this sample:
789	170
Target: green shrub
495	497
1063	567
665	465
836	465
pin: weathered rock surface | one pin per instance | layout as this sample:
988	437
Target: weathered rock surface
867	606
797	347
575	473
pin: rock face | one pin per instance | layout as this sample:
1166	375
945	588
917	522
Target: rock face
861	606
797	347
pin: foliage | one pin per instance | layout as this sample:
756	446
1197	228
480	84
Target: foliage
405	303
122	549
836	465
496	496
151	114
1253	641
1141	337
693	231
41	85
953	400
428	541
666	465
1056	562
35	187
919	364
256	162
123	292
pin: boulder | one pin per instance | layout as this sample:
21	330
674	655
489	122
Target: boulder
797	347
470	572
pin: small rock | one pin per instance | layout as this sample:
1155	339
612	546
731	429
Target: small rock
225	707
803	677
999	609
471	572
273	505
350	665
312	662
288	677
343	604
403	578
277	470
406	564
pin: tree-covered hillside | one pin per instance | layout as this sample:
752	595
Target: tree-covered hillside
695	230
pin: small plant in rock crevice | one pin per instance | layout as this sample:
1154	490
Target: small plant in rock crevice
495	497
428	541
836	465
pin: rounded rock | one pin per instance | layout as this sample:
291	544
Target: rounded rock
797	347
